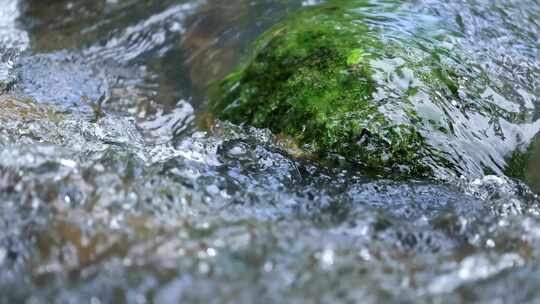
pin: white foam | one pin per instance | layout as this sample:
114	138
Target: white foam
10	35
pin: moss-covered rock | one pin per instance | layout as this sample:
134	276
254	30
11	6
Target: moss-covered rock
395	101
524	164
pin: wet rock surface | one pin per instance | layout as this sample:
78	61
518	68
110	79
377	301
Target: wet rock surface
61	81
403	101
132	202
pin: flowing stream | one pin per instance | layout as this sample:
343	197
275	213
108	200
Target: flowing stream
113	189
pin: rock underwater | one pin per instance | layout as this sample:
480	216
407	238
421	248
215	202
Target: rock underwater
392	96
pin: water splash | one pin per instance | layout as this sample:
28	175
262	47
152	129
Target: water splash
138	204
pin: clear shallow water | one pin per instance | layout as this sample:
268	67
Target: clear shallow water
111	192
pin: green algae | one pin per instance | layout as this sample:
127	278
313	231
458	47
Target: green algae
523	164
309	80
338	86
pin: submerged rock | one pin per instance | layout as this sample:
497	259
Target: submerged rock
523	164
62	80
395	97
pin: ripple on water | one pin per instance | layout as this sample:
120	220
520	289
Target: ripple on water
139	205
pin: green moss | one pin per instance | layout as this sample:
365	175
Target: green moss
309	80
517	164
321	78
524	164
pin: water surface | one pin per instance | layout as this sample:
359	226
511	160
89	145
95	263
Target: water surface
112	192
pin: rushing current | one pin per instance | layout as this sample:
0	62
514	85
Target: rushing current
116	188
